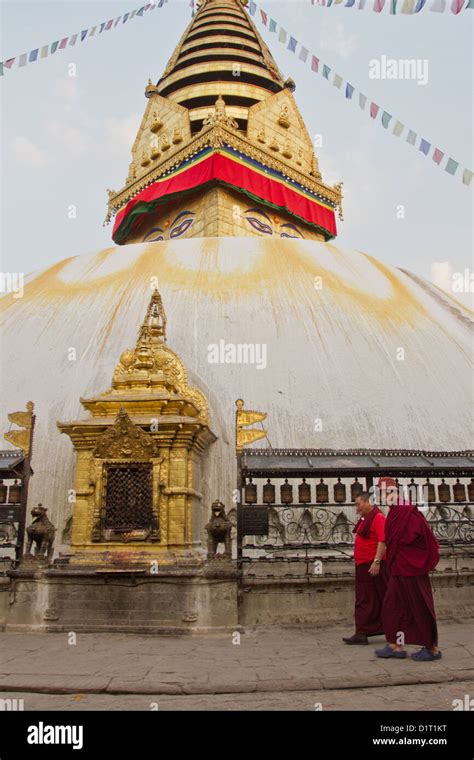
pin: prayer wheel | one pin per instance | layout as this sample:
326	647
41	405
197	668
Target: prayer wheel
268	493
459	491
470	490
429	494
413	492
286	492
250	492
356	489
3	492
14	496
304	492
339	492
443	492
322	492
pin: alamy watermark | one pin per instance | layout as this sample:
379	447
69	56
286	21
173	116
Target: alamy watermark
401	68
237	353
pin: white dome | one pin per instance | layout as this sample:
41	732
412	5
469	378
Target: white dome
333	348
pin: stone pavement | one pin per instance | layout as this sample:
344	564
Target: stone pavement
284	667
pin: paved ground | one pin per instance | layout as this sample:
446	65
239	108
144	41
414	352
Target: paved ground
284	668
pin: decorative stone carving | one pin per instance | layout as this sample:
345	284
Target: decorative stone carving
41	533
124	440
219	531
284	117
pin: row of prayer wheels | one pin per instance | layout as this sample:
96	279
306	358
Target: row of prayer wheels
416	493
10	494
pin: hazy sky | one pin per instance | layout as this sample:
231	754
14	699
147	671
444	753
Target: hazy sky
66	139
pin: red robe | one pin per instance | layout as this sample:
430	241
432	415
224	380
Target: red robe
412	552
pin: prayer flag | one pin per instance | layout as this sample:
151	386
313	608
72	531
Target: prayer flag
264	17
437	156
303	54
282	35
349	91
467	176
362	100
292	44
386	118
63	43
326	71
54	46
252	8
33	55
314	63
337	81
273	25
22	61
411	137
374	109
378	5
452	166
398	128
424	146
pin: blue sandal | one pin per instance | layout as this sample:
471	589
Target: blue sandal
387	652
424	655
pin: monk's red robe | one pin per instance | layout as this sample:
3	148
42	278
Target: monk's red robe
412	552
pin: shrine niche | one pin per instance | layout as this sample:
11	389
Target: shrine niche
137	475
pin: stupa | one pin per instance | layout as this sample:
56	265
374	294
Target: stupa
224	211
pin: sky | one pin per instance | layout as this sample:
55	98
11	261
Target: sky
65	139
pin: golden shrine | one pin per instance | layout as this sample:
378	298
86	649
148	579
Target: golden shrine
137	474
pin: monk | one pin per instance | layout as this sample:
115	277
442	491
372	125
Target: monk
408	613
371	570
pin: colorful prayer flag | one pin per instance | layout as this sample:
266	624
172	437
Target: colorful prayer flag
424	146
9	63
92	31
109	25
84	34
337	81
408	6
264	17
33	55
119	17
411	137
452	166
378	5
273	25
398	128
456	6
1	68
102	26
22	61
362	100
349	3
438	6
361	5
292	44
471	6
386	118
393	7
44	51
437	156
252	8
140	12
349	91
374	109
419	5
303	54
314	63
466	177
63	43
125	17
282	35
54	46
73	40
326	71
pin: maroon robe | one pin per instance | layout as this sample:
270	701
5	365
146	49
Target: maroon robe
369	597
412	552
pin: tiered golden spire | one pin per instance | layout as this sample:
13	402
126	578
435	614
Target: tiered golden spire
221	87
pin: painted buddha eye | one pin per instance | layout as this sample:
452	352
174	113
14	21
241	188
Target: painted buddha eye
158	235
187	219
261	223
290	231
